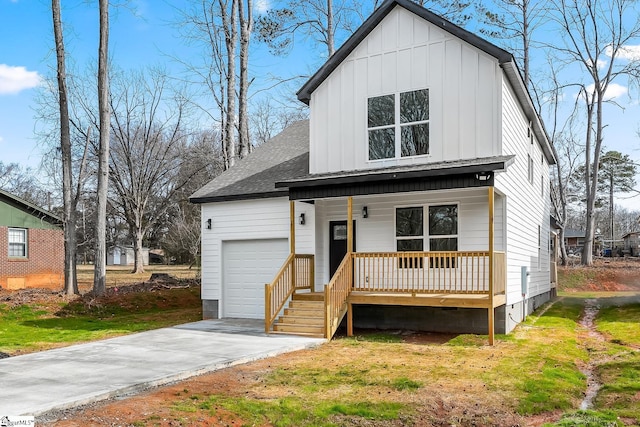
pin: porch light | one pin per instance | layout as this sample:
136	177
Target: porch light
365	212
483	176
301	220
209	224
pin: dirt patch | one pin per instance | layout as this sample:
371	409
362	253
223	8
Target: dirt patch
606	275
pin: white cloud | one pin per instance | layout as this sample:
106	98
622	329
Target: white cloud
629	52
614	90
16	79
262	6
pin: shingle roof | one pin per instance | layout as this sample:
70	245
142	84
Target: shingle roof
570	232
284	157
30	208
484	164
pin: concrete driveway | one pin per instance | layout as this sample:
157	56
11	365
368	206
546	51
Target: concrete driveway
37	383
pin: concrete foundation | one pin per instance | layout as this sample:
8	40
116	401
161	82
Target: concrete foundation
210	309
444	319
517	312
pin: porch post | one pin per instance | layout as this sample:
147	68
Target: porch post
491	255
350	225
292	227
349	251
292	241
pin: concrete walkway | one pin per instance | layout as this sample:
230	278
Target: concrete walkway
37	383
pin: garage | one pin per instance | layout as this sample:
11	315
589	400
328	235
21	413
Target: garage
247	266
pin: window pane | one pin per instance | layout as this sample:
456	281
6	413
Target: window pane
415	140
410	245
339	232
409	222
381	111
382	144
443	220
17	236
446	244
414	106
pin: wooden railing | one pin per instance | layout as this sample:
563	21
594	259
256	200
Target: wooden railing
428	272
296	273
336	294
499	273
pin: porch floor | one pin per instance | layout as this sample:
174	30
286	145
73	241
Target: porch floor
419	299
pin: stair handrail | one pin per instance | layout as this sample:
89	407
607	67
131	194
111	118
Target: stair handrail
280	288
336	295
283	286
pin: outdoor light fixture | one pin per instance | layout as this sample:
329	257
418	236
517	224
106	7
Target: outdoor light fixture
302	219
209	224
365	212
483	176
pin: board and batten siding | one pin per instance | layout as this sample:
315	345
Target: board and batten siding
376	233
527	203
404	53
248	220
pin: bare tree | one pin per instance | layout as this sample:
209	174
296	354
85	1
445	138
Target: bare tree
104	112
69	201
245	18
594	31
148	142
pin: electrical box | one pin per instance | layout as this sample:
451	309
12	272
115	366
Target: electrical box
524	280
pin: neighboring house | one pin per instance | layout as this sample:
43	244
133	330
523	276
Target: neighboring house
125	255
573	240
31	245
632	243
418	192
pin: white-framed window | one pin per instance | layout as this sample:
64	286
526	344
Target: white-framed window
398	125
438	231
17	242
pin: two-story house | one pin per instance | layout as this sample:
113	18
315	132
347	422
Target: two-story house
415	196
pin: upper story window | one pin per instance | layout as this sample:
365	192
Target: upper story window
17	243
398	125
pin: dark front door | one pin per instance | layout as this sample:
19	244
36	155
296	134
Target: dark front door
338	243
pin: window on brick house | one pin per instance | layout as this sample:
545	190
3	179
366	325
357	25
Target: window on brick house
17	243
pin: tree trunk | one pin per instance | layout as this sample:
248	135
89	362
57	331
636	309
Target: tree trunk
69	217
330	30
246	27
138	266
99	277
229	19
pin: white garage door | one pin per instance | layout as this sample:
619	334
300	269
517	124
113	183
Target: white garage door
247	266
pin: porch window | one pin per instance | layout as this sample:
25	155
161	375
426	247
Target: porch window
443	233
398	125
410	235
17	243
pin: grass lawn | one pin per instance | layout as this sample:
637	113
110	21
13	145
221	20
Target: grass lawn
49	320
380	380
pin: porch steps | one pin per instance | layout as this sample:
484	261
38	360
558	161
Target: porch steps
304	316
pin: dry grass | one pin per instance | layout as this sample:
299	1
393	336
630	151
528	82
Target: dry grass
122	275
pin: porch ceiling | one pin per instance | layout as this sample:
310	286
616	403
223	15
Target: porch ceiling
398	179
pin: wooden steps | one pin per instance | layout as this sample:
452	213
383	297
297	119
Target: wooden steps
304	316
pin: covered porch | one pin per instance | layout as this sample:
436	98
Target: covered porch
419	264
455	279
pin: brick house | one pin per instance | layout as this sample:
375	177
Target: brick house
31	245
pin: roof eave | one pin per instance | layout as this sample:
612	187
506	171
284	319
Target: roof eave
237	197
393	175
33	209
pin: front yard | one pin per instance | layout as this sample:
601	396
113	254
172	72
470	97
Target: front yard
530	377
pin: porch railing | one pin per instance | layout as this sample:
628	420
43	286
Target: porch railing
296	273
428	272
336	294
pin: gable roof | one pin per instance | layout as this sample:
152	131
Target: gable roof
572	233
283	157
505	59
30	208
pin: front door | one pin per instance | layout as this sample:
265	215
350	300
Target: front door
338	243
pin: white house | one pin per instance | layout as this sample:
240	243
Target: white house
125	255
417	192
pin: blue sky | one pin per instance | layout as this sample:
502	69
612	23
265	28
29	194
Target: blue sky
142	35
